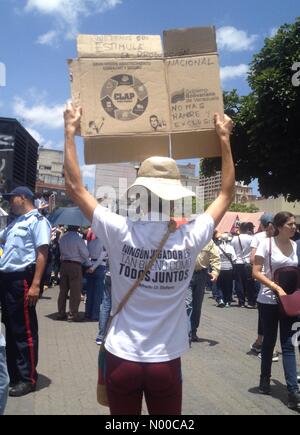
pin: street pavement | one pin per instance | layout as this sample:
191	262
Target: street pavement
220	374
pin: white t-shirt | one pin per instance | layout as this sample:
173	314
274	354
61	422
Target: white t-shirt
226	248
153	326
257	238
266	295
243	253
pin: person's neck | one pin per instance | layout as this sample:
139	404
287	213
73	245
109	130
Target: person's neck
283	240
27	209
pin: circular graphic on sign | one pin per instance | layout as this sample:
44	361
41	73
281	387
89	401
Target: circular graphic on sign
124	97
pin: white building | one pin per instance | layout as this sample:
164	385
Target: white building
212	187
113	180
50	176
50	167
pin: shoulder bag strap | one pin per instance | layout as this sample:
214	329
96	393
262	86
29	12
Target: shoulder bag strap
171	229
270	258
242	249
227	255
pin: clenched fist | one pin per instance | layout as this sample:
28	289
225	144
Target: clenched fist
223	127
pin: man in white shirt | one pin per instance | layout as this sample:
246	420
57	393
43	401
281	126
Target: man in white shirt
225	280
95	277
73	254
244	283
148	336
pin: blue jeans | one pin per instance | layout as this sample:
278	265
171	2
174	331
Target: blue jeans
94	292
4	380
105	308
224	286
271	317
216	292
197	286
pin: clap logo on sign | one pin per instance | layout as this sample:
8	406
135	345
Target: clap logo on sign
124	97
296	76
2	75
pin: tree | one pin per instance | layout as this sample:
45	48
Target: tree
243	208
266	140
238	208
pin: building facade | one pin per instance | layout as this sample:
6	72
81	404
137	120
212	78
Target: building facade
18	156
212	186
277	205
113	180
50	177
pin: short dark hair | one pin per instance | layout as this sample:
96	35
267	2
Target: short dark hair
244	228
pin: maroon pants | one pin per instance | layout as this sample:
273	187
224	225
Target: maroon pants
127	381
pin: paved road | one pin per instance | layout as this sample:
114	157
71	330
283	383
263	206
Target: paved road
220	377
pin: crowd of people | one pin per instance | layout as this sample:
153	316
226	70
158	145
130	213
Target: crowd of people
150	275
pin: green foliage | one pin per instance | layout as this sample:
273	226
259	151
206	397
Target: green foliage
244	208
266	139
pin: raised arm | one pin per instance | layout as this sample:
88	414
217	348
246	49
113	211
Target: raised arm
218	208
74	185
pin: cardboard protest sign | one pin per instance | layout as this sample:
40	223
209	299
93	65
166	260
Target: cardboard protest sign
138	98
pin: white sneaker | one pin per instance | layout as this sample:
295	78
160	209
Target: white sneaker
275	357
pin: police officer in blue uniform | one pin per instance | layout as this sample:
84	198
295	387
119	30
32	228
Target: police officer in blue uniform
26	241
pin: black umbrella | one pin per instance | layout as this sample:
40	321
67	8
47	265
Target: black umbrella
69	216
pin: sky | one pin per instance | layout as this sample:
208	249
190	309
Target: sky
38	36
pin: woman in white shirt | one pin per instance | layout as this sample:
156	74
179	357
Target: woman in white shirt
272	254
148	336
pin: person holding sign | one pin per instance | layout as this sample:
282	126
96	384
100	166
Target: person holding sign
149	334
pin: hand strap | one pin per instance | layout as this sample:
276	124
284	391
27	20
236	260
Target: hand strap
171	229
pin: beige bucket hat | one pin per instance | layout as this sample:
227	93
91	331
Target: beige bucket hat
162	177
